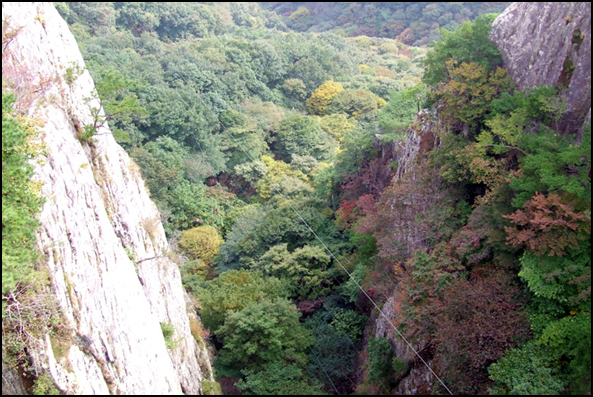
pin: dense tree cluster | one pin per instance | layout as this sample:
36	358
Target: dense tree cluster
411	23
234	124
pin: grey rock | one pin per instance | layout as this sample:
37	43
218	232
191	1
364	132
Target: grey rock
549	43
97	218
12	383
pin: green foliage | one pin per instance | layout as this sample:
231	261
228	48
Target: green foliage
201	242
232	291
422	20
44	386
380	366
304	136
562	306
162	165
349	323
310	72
305	164
189	205
512	114
72	73
301	12
168	331
349	289
20	202
321	98
171	21
399	365
431	273
295	88
278	378
400	112
244	139
275	172
333	353
211	388
120	106
276	223
554	164
337	125
300	19
570	337
469	90
305	270
158	177
194	273
195	66
500	149
542	103
470	43
526	371
260	333
355	102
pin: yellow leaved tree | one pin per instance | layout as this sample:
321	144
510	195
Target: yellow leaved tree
201	242
322	97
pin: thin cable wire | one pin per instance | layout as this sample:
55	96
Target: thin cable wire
330	252
319	362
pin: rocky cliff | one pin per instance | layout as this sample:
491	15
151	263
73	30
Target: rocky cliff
100	234
549	43
541	44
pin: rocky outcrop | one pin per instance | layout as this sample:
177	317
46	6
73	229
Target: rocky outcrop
418	376
549	43
100	233
423	136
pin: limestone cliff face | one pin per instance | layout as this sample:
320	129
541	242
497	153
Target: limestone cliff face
549	43
100	234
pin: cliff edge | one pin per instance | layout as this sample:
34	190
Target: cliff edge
100	233
549	43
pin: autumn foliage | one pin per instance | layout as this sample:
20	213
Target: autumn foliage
201	242
322	97
470	90
475	322
548	225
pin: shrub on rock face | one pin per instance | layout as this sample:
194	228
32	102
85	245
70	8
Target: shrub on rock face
201	242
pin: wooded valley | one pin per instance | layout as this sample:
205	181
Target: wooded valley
312	161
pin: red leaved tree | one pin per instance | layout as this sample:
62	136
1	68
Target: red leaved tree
475	321
548	225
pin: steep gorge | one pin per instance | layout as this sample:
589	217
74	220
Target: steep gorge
541	44
100	235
